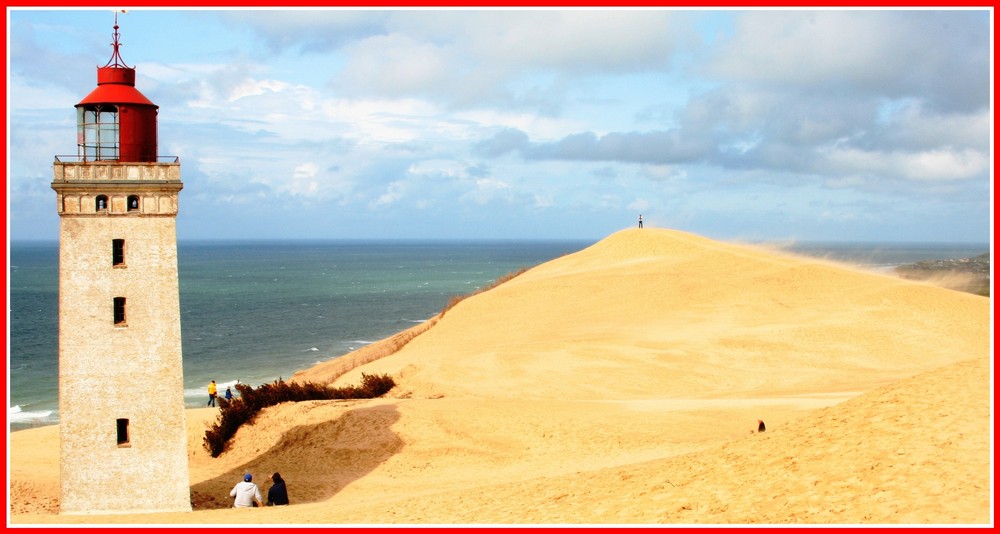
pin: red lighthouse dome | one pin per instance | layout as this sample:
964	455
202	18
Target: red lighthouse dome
115	122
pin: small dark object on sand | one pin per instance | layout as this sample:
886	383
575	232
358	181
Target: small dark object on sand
760	425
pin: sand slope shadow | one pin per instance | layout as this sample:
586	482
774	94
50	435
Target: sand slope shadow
316	460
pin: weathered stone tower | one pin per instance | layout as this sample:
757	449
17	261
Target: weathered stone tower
123	438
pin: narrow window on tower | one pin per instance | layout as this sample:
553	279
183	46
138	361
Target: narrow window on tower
120	311
101	203
133	202
118	252
123	440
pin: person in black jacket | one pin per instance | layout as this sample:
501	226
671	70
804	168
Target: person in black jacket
277	495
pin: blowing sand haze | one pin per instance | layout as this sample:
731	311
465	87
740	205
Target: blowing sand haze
623	384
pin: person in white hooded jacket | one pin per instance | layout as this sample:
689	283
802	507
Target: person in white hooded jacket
246	493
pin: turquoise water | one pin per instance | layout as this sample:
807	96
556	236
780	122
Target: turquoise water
258	311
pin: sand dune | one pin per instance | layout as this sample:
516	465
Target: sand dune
655	314
622	385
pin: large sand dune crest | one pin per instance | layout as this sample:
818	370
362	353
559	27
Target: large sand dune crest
622	384
659	314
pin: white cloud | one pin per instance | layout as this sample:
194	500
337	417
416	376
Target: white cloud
934	165
805	47
394	192
314	30
914	126
395	66
525	113
488	190
248	87
887	53
303	182
576	41
434	169
931	165
663	173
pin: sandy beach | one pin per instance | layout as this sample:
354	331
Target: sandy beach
622	385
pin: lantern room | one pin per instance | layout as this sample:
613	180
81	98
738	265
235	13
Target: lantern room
115	122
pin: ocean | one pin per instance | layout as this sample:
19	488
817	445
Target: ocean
257	311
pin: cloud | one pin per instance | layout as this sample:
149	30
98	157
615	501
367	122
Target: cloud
516	58
452	118
658	147
932	165
911	125
853	98
430	182
30	55
489	189
395	191
937	56
395	66
310	30
502	142
572	41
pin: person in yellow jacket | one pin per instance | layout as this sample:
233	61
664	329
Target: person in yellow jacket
212	391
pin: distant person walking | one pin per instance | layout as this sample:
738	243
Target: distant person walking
277	495
212	391
247	493
640	220
229	393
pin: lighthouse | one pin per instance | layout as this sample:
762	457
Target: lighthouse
123	436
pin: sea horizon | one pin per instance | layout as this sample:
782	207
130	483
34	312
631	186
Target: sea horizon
272	240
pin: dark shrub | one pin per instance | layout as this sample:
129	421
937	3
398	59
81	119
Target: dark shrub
243	409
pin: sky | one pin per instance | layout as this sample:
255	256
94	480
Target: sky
854	125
